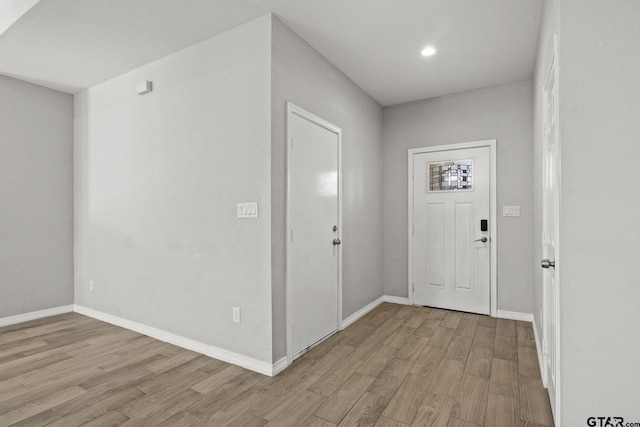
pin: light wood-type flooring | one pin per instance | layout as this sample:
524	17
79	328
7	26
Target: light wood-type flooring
397	366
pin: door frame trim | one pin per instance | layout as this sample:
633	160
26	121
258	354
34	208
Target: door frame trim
293	109
493	206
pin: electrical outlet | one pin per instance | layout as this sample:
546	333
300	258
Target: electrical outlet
91	285
236	315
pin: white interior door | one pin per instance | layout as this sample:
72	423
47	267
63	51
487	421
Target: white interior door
313	247
451	229
550	219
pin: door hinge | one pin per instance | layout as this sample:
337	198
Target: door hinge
291	144
544	347
292	234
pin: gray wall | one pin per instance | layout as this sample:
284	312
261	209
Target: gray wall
301	75
36	198
158	178
600	209
500	112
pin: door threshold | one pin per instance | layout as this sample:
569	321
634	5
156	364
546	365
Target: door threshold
452	309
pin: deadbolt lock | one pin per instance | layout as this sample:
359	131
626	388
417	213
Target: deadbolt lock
545	263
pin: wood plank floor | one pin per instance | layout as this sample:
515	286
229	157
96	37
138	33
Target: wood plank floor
397	366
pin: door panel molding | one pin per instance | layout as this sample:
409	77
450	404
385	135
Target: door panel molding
493	231
551	161
464	246
294	110
435	226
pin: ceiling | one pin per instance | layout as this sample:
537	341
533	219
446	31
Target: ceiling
71	45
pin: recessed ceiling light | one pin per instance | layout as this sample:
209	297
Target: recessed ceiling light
428	51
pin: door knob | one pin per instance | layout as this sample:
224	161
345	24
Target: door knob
546	263
336	242
482	239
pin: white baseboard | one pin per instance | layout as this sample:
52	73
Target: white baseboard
25	317
250	363
540	355
364	310
226	355
367	308
514	315
526	317
280	366
396	300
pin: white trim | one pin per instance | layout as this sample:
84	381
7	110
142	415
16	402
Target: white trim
558	268
367	308
543	373
364	310
554	67
514	315
396	300
493	206
247	362
291	110
280	366
33	315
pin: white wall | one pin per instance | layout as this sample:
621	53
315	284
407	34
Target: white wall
301	75
12	10
500	112
600	212
36	198
157	182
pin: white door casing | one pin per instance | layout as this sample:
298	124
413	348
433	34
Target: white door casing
449	266
550	234
314	230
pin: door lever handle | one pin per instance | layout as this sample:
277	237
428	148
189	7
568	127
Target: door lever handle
545	263
336	242
482	239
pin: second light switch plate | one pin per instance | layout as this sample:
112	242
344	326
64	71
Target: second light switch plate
248	210
511	211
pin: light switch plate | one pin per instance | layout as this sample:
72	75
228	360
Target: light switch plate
511	211
248	210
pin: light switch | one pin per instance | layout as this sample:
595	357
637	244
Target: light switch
511	211
248	210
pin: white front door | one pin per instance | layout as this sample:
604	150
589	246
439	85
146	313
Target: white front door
451	229
313	240
550	218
